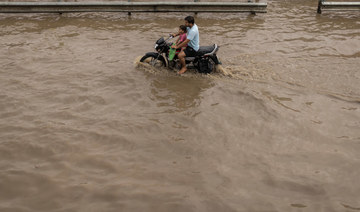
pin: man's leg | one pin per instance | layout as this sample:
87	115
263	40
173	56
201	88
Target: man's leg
181	57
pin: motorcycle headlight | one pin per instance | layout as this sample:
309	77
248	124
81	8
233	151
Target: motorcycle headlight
156	45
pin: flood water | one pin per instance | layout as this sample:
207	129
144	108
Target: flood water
84	128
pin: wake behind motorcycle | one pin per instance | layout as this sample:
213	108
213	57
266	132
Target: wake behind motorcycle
204	62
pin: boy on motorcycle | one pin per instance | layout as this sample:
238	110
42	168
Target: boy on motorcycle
182	35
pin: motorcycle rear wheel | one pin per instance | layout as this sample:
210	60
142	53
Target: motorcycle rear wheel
213	63
213	66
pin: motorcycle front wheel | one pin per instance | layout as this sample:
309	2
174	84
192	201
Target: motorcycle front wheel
154	59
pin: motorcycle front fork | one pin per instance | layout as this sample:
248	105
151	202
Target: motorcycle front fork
174	64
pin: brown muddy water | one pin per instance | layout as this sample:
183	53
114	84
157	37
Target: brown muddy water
84	128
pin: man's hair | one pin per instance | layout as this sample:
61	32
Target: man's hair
190	19
183	28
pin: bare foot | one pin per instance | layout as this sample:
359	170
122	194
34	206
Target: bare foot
183	70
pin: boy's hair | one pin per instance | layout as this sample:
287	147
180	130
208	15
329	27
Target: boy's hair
190	19
183	28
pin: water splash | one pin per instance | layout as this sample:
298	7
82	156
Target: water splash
248	70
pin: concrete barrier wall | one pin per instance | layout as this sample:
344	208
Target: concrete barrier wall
116	6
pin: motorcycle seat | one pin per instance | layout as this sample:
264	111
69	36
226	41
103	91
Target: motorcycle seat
206	50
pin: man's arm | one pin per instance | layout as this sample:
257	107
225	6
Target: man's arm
177	41
189	37
182	44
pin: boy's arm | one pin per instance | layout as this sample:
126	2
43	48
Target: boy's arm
175	34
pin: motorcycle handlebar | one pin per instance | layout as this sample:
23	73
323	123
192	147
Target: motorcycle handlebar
170	37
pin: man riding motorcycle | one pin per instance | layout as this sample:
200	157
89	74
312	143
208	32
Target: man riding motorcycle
192	41
202	58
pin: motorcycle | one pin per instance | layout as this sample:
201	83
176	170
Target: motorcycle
204	62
